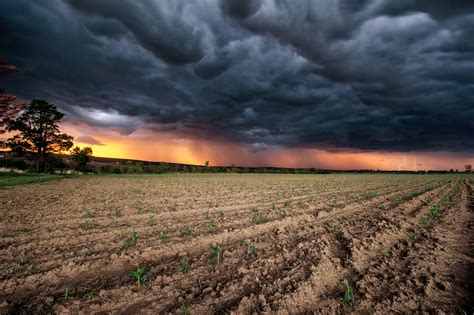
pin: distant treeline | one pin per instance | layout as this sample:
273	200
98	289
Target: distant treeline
63	164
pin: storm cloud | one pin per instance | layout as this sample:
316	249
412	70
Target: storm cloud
335	75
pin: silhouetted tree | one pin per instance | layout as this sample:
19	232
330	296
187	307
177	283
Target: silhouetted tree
468	168
206	164
9	105
82	157
38	132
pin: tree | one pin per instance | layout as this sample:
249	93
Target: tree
9	105
468	168
38	132
82	157
206	164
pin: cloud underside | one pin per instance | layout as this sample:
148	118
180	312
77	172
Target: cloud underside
362	75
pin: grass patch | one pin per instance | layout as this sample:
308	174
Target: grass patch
12	179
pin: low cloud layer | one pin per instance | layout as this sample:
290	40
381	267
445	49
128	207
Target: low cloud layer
336	75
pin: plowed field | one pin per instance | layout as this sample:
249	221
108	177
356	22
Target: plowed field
241	244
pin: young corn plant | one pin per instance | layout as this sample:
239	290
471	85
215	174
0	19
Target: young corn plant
216	258
140	210
259	217
410	238
424	221
131	241
185	265
348	299
212	227
250	249
89	214
164	235
434	212
138	275
87	225
297	237
185	309
89	296
332	226
186	231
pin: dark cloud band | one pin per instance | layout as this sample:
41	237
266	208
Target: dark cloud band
370	75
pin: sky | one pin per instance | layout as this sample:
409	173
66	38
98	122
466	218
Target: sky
344	84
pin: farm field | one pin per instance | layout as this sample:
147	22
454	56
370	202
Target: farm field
238	243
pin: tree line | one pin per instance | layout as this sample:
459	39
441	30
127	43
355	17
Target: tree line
35	129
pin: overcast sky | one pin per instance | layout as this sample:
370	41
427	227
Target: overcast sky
374	75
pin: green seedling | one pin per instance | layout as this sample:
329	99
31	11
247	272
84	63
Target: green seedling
221	213
348	299
410	238
382	206
131	241
22	259
384	251
185	265
212	227
164	235
138	275
186	231
185	309
284	213
140	209
89	214
424	221
434	212
12	270
216	258
250	249
66	294
87	225
297	237
89	296
332	226
118	213
259	217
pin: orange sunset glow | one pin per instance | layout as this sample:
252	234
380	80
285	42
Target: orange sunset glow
152	146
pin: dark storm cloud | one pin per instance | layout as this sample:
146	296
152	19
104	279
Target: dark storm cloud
370	75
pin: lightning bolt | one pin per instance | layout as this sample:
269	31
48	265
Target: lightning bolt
403	162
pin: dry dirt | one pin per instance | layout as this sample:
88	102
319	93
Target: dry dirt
404	243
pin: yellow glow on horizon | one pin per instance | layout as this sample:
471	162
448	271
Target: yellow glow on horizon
166	147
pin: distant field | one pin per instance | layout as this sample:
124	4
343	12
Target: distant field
238	243
11	179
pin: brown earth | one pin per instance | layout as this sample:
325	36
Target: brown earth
404	243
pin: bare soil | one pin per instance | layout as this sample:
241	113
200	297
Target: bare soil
404	243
